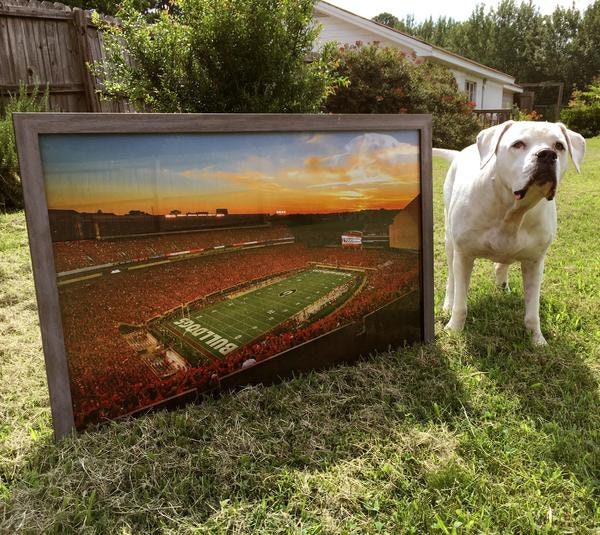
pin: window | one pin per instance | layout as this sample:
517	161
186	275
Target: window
471	89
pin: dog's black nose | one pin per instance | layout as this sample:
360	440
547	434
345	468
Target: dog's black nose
547	156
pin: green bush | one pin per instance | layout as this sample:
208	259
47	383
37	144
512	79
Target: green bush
217	56
11	196
379	80
583	112
384	80
435	91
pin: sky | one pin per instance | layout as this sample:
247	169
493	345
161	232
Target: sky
423	9
245	173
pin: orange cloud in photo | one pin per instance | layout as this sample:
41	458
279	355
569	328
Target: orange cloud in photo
369	171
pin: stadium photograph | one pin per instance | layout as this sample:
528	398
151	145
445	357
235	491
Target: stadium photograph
190	262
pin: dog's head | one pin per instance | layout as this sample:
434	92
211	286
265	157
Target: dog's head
530	156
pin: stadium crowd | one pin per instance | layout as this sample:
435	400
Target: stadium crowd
108	378
70	255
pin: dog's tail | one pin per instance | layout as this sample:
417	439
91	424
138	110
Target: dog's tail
446	154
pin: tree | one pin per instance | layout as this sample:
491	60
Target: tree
561	46
11	196
407	25
218	56
587	46
384	80
583	112
379	81
454	124
437	32
517	39
387	19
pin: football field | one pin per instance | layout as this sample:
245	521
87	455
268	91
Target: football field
219	329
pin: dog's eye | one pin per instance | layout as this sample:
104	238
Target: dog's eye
559	146
518	145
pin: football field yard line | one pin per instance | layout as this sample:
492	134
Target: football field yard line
302	296
247	323
225	321
257	314
212	319
249	331
252	308
239	314
276	302
245	318
243	331
261	311
250	301
224	327
235	316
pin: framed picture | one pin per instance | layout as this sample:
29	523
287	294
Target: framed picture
177	256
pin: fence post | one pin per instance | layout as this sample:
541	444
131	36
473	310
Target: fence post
89	82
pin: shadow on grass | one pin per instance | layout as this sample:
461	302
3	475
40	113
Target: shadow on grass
553	385
326	441
251	447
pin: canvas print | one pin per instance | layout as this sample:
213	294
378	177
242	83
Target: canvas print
185	259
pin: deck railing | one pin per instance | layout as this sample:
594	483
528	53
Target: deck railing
493	117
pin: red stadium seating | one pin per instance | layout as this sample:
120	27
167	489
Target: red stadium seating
108	378
70	255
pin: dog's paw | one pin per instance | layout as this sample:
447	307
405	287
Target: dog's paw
538	340
504	287
454	325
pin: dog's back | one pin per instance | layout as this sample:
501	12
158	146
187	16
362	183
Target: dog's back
460	164
446	154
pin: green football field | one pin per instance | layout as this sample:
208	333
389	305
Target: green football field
219	329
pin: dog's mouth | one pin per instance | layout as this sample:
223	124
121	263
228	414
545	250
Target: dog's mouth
520	194
542	176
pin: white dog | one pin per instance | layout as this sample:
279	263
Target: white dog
499	204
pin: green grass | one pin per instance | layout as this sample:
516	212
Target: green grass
246	317
478	432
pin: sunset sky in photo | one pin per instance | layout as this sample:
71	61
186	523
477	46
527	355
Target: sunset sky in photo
243	172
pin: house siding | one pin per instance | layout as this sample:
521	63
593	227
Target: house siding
508	98
487	97
347	34
461	80
491	96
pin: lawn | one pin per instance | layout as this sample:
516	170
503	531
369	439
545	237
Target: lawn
478	432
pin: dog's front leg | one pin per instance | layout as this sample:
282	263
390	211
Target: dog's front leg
532	281
501	271
449	299
462	266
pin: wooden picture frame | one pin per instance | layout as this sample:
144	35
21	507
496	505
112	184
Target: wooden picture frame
33	128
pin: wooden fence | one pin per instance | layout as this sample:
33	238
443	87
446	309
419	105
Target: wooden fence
44	43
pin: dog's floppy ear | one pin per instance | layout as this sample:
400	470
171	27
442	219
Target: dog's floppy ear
576	143
488	139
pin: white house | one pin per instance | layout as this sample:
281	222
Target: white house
488	88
